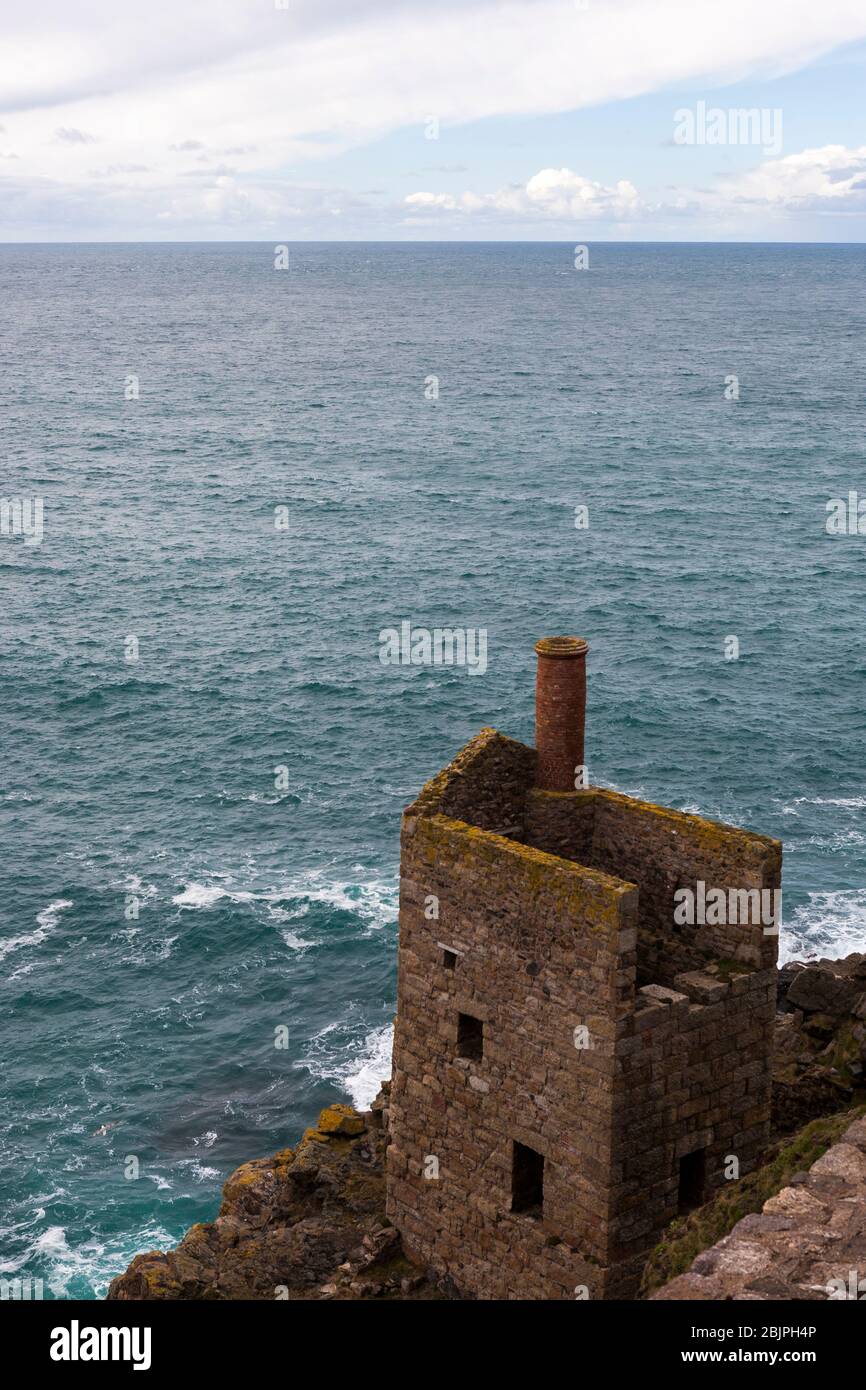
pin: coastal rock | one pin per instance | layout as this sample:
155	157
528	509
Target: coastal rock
308	1223
341	1119
820	990
820	1040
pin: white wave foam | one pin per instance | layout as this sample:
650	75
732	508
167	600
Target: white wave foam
262	800
373	900
358	1067
200	895
199	1171
293	941
364	1075
76	1271
829	924
22	970
50	915
838	839
149	952
46	921
133	887
852	803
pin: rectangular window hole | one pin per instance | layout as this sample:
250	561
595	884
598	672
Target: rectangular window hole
470	1037
449	958
693	1180
527	1181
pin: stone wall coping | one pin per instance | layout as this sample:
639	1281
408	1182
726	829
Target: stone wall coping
528	854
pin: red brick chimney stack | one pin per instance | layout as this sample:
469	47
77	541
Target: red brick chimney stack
560	711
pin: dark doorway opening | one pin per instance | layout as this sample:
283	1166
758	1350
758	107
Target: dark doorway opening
693	1180
470	1037
527	1181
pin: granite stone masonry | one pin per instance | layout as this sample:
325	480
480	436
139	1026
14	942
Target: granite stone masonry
571	1068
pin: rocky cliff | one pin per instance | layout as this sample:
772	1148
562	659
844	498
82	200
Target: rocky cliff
820	1042
308	1223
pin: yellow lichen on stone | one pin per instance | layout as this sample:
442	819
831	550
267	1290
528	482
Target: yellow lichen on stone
342	1120
313	1136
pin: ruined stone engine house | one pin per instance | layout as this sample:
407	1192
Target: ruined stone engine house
572	1069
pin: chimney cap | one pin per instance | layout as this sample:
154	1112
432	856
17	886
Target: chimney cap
562	646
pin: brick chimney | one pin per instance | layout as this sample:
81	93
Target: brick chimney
560	711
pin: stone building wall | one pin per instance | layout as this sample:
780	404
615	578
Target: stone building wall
693	1078
555	914
507	912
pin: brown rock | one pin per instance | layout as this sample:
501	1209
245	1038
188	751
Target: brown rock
819	990
341	1120
287	1226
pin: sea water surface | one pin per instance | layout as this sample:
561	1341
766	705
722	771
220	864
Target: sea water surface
172	904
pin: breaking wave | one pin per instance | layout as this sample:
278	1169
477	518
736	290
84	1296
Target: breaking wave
374	900
358	1066
46	921
827	924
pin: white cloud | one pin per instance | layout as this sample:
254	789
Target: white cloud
68	135
557	195
560	193
278	87
832	178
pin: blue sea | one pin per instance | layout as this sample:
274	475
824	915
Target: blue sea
204	759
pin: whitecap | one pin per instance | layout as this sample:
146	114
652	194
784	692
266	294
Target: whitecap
358	1067
831	924
838	839
151	951
70	1270
372	900
134	887
46	920
853	803
198	895
50	915
294	942
199	1171
364	1075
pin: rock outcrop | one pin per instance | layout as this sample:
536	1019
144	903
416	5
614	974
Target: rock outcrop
820	1040
308	1223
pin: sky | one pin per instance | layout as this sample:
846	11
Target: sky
634	120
